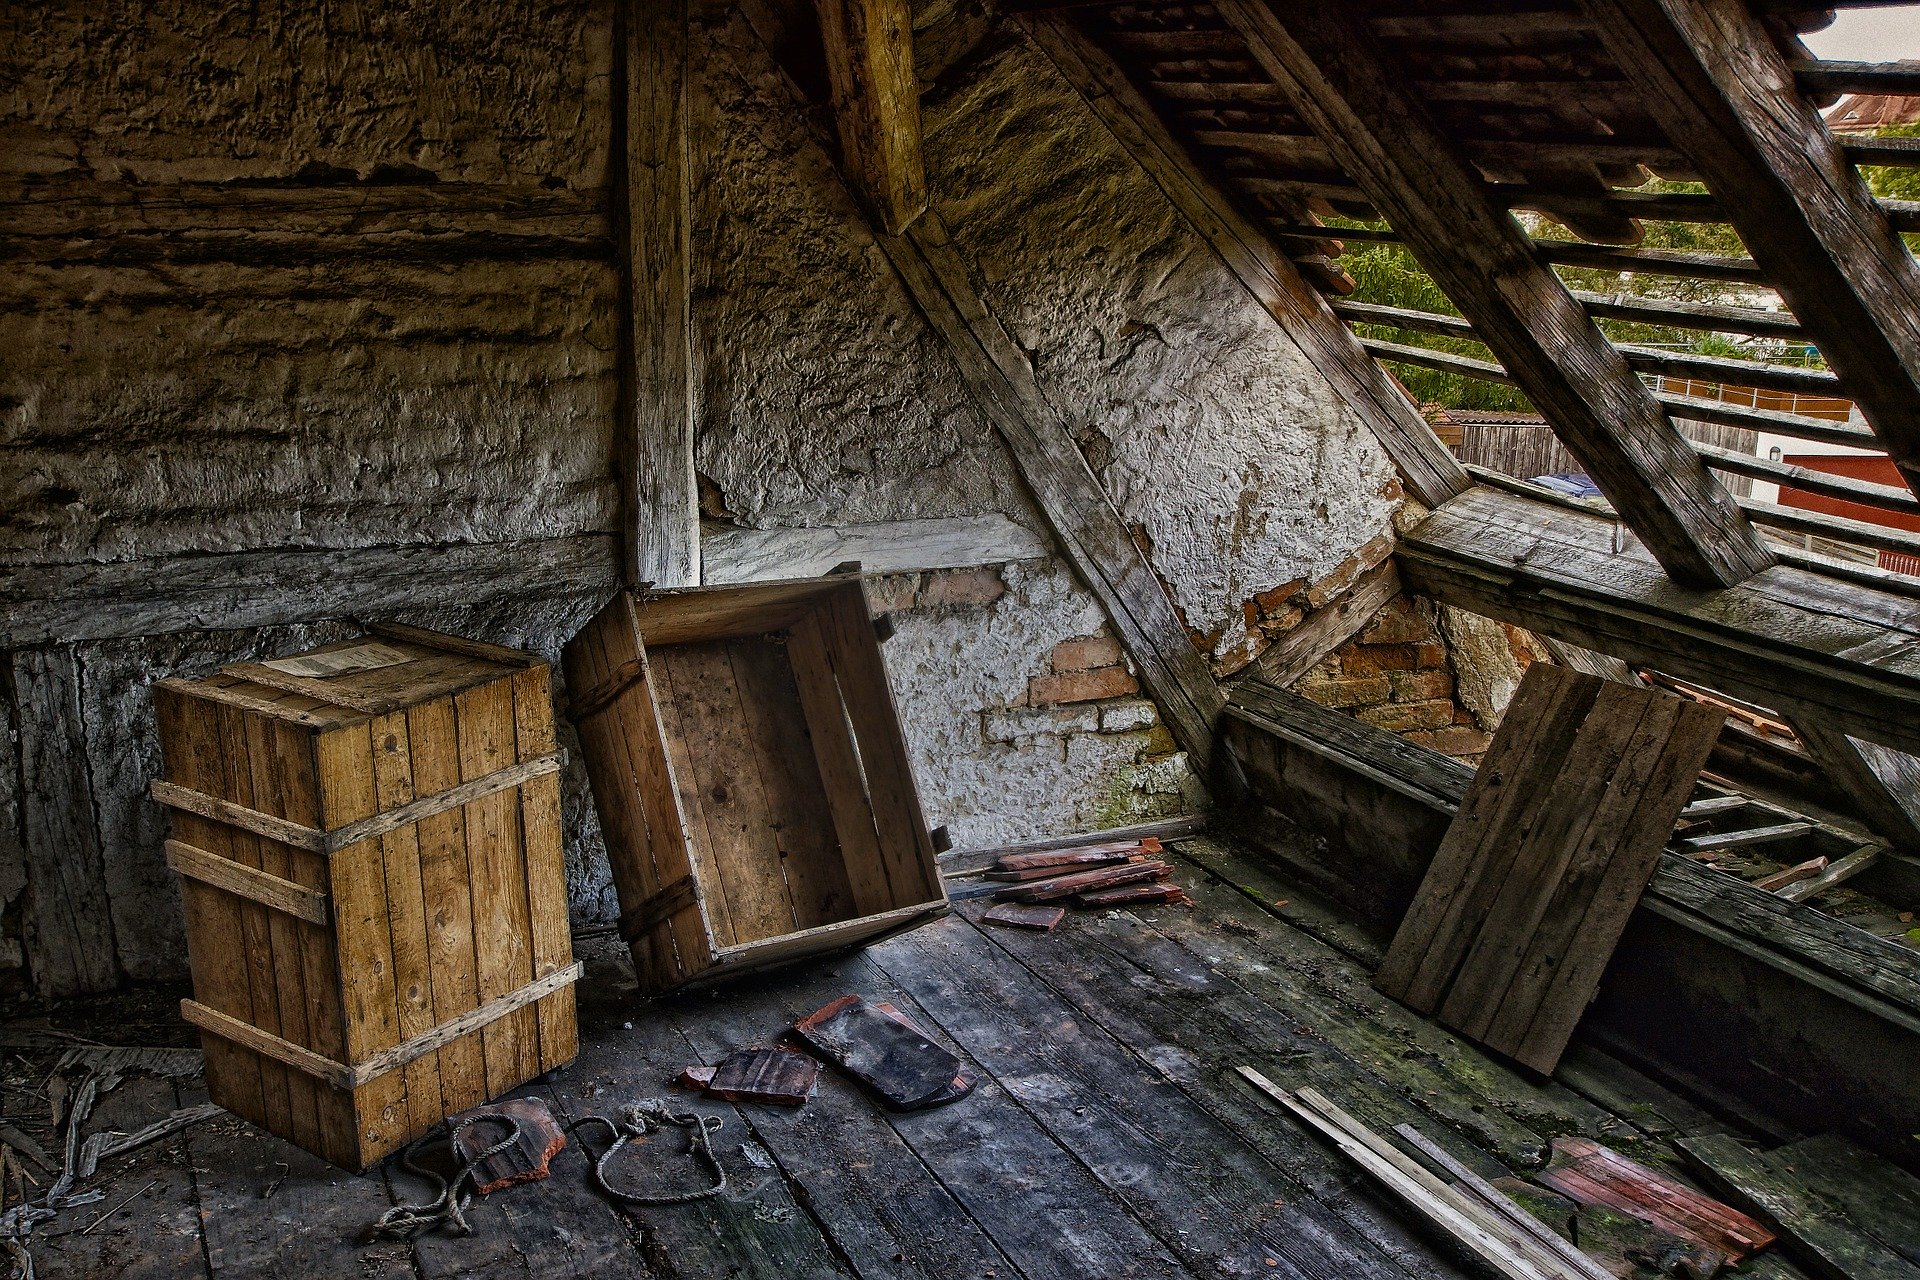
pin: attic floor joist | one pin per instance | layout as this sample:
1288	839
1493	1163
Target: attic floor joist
1837	654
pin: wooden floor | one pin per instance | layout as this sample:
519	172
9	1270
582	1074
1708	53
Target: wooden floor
1108	1137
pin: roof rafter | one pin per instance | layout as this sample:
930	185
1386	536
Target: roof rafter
1709	72
1412	172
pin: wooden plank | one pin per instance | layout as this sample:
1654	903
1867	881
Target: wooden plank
898	546
238	878
503	960
541	837
1716	80
1343	86
370	1004
698	679
1880	1198
407	916
1742	839
68	933
876	105
1795	641
1819	1234
446	880
797	805
662	516
193	752
1090	531
64	603
834	753
1883	784
906	844
1886	497
429	1041
1328	627
1425	464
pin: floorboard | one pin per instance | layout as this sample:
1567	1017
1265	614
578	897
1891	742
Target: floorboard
1108	1136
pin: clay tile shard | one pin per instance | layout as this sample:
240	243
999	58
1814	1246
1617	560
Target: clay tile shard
1020	915
1131	895
778	1076
886	1053
695	1077
1087	881
1090	855
1046	873
963	1079
541	1139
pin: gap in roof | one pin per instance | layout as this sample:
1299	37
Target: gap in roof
1869	35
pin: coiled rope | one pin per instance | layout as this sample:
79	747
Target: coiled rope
448	1208
648	1116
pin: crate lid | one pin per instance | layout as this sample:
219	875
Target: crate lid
390	668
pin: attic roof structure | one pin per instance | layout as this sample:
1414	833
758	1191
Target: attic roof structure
1418	499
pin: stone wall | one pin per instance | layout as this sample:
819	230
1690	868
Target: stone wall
288	289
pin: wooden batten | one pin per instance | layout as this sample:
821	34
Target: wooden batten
1414	174
751	778
372	872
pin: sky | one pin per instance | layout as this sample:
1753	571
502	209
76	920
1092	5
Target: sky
1869	35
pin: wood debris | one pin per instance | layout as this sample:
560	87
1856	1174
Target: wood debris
779	1076
1590	1174
1085	881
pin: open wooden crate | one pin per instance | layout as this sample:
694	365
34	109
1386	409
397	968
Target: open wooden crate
751	777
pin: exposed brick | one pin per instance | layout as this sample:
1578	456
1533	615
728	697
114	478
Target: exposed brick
1372	659
892	593
1417	686
1345	691
1160	743
1429	656
1084	653
1081	686
1335	584
1399	623
1275	601
1456	740
962	587
1399	717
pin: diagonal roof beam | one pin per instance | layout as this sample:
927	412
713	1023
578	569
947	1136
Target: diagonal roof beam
1414	175
1710	75
876	105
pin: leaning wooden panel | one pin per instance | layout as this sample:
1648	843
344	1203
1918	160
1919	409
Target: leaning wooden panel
1554	842
338	817
751	777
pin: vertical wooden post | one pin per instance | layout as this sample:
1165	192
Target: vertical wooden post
876	105
662	517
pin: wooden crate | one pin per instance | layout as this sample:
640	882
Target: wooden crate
751	778
372	871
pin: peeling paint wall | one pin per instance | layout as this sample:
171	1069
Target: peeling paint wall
310	275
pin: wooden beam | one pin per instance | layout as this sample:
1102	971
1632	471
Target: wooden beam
1717	82
1327	628
662	516
1479	254
898	546
1428	468
1089	530
1799	642
876	105
1883	784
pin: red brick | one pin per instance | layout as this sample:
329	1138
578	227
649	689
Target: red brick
1271	602
1429	656
962	587
1418	686
1081	686
1084	653
1399	623
1372	659
892	593
1285	620
1454	741
1399	717
1335	584
1346	691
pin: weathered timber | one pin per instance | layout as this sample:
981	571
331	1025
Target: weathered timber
662	516
1082	516
876	105
68	930
1476	251
42	604
1429	470
1883	784
1789	639
1861	859
900	546
1328	627
1715	79
1886	497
